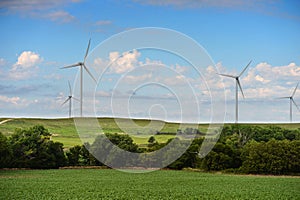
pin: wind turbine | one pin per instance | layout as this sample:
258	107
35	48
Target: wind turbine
237	86
291	102
82	66
70	100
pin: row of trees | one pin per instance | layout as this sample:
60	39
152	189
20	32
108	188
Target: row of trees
243	149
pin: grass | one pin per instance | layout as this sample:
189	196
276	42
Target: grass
64	130
112	184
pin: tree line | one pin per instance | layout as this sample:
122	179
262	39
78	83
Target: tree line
240	149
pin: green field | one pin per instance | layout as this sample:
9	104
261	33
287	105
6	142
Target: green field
112	184
64	131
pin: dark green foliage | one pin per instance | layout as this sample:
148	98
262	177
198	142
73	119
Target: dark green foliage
32	148
258	133
5	152
189	158
254	149
222	156
112	149
272	157
241	148
152	140
80	156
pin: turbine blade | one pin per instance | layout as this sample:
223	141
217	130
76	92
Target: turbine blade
65	101
70	88
239	84
245	68
69	66
87	51
283	98
75	99
295	104
227	75
88	71
295	89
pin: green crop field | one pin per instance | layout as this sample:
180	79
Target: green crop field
112	184
64	131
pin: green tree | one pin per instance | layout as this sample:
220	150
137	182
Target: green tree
272	157
5	152
32	148
109	149
73	156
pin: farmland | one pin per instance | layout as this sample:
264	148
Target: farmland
163	184
64	131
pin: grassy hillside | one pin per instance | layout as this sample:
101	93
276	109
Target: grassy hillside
112	184
64	131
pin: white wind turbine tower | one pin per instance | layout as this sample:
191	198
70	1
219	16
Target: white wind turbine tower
82	66
238	85
70	97
291	102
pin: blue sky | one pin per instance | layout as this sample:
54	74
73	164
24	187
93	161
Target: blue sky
39	37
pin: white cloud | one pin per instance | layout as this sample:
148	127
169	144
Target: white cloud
2	61
136	79
287	71
33	5
118	63
60	16
263	80
26	66
178	80
48	9
11	100
21	6
180	69
152	62
28	59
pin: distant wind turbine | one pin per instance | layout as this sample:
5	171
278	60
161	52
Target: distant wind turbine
70	97
291	102
238	85
82	66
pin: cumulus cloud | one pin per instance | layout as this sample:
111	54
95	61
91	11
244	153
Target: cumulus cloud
26	66
258	82
287	71
264	80
118	63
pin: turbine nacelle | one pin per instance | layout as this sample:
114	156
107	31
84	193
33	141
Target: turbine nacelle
292	101
82	66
